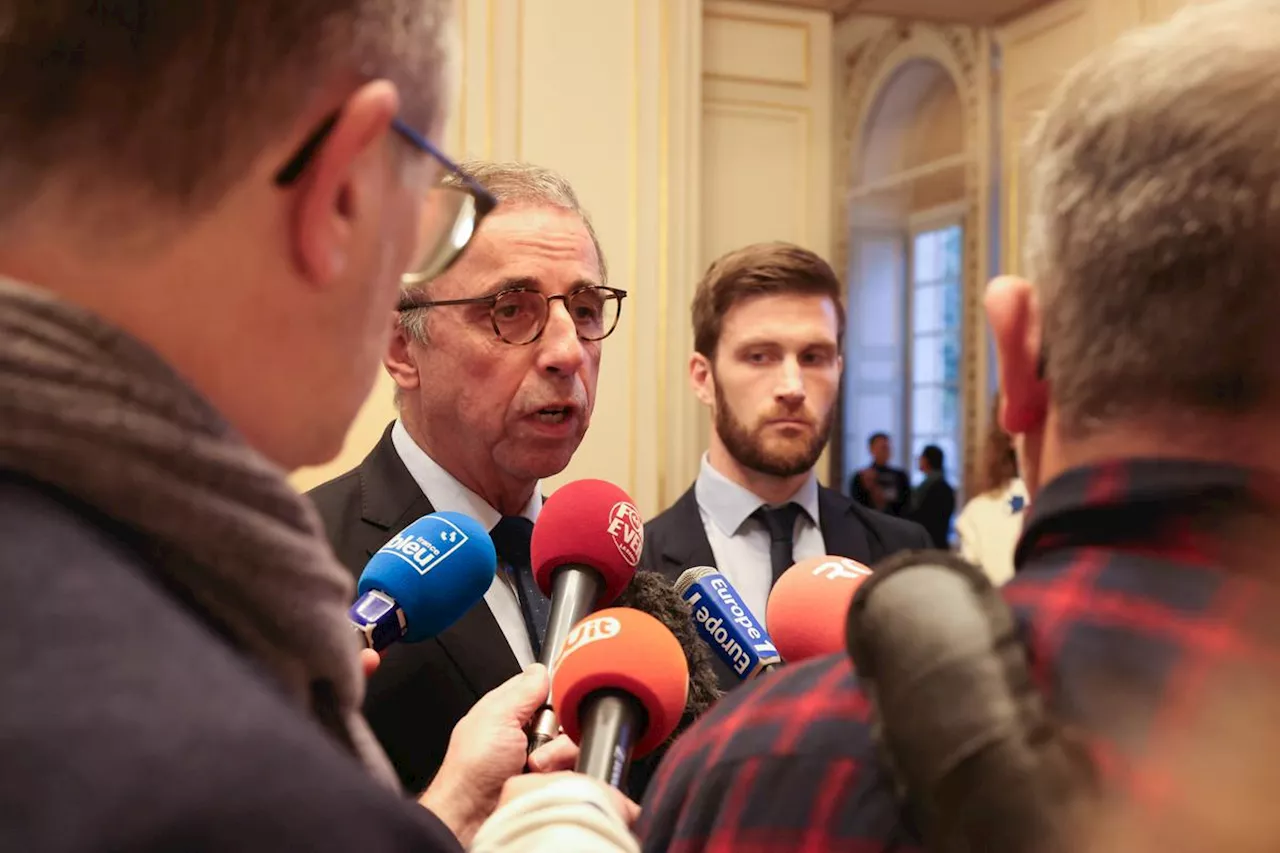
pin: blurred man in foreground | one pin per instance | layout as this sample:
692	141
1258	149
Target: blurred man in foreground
1140	374
205	216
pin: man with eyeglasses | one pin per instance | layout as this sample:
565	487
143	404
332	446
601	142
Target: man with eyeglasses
205	213
495	361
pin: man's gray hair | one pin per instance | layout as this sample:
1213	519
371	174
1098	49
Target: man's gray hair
514	185
1154	230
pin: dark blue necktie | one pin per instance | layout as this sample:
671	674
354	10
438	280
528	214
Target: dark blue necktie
511	539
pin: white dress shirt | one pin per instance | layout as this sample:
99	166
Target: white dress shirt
448	495
740	543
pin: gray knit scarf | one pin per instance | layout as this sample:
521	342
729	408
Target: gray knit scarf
95	413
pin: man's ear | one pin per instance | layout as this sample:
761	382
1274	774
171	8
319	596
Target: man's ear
1013	315
401	360
343	184
702	378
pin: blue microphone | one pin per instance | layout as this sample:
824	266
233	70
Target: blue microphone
725	624
423	580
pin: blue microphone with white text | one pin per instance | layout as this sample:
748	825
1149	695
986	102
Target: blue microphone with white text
725	624
423	580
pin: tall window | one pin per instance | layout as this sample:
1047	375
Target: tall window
934	340
902	359
907	203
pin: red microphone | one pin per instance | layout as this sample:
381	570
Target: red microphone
585	547
808	607
619	688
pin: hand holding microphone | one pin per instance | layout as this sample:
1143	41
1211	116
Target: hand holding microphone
619	689
488	748
423	580
585	547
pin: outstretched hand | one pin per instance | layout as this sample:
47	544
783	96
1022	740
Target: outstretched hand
488	747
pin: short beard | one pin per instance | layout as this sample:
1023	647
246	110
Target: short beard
746	446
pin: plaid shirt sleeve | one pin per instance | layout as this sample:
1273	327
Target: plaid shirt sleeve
784	763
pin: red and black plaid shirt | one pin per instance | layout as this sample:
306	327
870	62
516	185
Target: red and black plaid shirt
1120	583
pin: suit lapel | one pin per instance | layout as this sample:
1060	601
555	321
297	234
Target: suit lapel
687	544
843	531
390	501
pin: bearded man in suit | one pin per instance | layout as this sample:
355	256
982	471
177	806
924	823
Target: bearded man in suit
768	323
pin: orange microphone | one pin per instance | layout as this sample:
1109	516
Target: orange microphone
618	688
808	606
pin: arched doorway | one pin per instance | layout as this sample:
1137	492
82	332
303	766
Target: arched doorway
908	206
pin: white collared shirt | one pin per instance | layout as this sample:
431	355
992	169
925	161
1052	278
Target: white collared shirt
740	543
448	495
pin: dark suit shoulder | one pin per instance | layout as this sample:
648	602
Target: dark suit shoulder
671	530
337	498
673	517
894	534
898	534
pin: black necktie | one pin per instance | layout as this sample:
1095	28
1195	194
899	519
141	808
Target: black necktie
511	539
781	522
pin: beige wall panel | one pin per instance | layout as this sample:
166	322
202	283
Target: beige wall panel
751	49
755	161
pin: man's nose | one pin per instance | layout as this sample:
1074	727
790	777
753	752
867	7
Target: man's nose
560	349
790	386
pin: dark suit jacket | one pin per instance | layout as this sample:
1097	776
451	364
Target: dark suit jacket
676	540
896	476
420	690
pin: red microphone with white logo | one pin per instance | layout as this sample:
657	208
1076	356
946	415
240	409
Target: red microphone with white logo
585	547
808	606
619	688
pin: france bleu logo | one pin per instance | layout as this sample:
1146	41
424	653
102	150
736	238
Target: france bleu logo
426	544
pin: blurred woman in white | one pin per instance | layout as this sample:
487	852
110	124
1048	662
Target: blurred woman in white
990	523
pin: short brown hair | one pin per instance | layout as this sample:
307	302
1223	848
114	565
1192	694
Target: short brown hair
168	102
999	461
1154	229
761	269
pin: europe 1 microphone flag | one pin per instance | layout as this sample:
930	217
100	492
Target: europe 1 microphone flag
423	580
619	686
725	624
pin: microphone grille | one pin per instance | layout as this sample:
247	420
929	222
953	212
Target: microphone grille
691	576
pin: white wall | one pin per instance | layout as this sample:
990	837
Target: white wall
610	92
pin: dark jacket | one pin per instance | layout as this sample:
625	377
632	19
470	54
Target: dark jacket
932	504
421	690
893	481
676	540
130	722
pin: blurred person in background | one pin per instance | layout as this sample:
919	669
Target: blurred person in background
881	486
989	525
933	501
